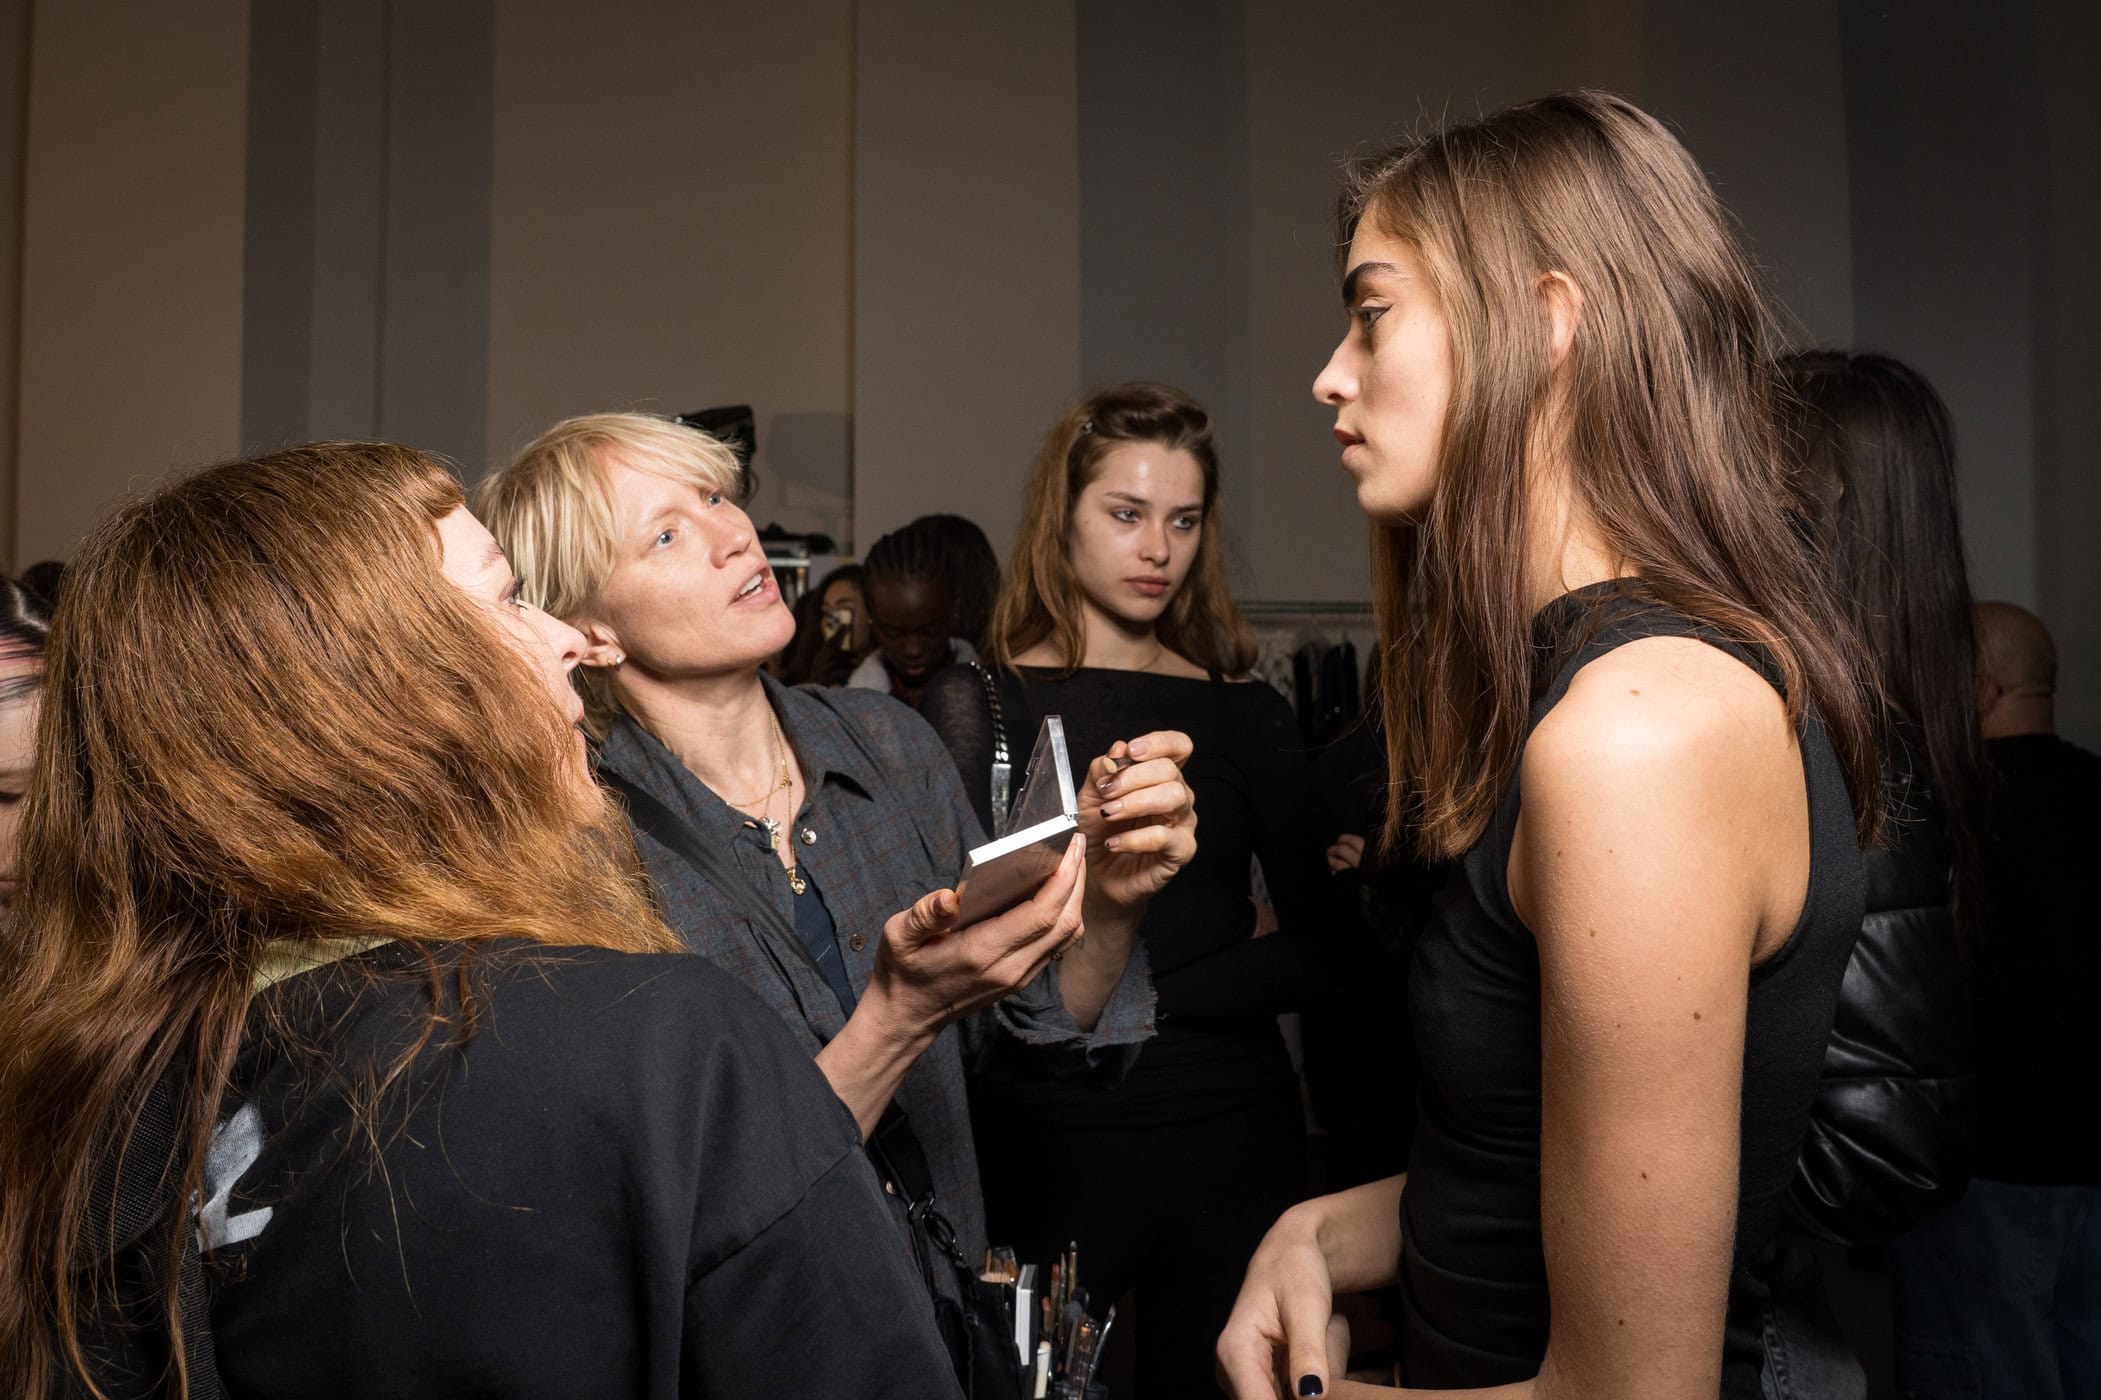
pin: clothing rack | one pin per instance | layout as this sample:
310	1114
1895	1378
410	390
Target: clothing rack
1291	609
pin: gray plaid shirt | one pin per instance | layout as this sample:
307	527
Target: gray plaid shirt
890	822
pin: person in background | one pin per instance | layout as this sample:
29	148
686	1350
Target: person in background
332	958
835	808
831	629
977	573
1620	689
1116	616
2000	1297
914	587
1894	1126
25	623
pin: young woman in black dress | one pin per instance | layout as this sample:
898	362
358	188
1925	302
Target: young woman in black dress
1116	613
1631	704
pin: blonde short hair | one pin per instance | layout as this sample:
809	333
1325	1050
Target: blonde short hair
553	512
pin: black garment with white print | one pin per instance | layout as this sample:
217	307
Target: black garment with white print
628	1181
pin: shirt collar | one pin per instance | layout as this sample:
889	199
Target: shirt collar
812	728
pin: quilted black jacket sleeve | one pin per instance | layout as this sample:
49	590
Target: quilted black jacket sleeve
1893	1130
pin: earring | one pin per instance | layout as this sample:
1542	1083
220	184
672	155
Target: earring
618	660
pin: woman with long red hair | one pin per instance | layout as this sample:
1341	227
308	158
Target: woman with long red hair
332	964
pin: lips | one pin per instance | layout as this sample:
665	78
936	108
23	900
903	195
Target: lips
1151	585
758	589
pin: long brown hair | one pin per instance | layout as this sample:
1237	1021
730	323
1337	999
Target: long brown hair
1877	450
267	715
1041	599
1669	429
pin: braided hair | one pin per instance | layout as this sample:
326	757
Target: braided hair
921	552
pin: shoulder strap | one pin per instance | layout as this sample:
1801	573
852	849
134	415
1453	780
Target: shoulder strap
676	834
1002	776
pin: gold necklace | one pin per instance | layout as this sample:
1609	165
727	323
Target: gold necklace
780	761
772	827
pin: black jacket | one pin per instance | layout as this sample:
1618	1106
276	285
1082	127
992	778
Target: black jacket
1893	1132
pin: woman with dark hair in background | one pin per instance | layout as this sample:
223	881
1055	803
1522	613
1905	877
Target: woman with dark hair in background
25	623
977	574
1628	700
916	589
1116	615
831	628
1891	1141
326	930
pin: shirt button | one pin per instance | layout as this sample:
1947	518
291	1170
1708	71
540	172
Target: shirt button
857	942
809	837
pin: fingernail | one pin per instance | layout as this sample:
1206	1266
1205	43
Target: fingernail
1110	809
1114	843
1138	748
1309	1385
1104	784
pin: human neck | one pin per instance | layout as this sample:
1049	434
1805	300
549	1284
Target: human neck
1116	645
2011	719
720	727
1564	549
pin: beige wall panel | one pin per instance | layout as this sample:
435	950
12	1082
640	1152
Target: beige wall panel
671	225
967	298
131	255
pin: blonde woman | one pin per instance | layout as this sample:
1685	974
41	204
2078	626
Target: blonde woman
330	956
831	810
1630	704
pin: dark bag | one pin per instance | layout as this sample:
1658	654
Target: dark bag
986	1365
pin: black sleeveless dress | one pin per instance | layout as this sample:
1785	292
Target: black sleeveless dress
1473	1274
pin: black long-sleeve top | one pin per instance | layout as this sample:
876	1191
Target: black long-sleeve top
1220	989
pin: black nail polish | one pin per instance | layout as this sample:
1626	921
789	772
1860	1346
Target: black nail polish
1309	1385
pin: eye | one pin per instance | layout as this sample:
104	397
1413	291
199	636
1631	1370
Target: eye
514	596
1368	316
1188	522
664	538
1125	514
715	498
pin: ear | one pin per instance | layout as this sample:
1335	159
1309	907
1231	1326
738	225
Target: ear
1988	692
602	647
1562	300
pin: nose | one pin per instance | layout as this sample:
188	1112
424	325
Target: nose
1153	546
1336	384
564	641
731	533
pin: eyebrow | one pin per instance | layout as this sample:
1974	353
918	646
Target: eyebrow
1349	282
495	556
1143	501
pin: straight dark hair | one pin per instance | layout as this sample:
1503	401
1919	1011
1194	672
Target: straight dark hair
1877	453
1668	434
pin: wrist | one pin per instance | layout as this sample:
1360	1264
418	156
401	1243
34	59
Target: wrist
890	1025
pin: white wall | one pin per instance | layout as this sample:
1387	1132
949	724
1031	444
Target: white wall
671	226
131	255
967	256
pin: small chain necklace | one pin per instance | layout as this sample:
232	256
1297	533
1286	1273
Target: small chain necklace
766	818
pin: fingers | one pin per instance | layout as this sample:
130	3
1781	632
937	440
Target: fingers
1305	1316
1347	853
1338	1344
932	915
1247	1361
1170	746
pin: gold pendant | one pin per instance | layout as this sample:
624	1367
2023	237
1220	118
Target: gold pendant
796	881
